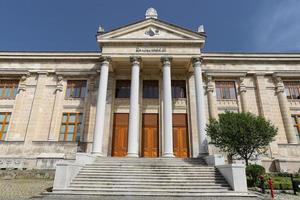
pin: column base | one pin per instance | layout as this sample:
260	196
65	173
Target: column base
202	155
132	155
99	154
168	155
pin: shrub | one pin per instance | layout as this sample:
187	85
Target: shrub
253	172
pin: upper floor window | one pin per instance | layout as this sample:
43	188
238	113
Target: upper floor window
296	123
123	89
8	89
150	89
225	90
4	122
76	89
71	127
178	89
291	89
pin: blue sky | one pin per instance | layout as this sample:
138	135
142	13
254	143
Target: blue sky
71	25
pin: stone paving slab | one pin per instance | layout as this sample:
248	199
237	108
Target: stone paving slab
93	197
22	189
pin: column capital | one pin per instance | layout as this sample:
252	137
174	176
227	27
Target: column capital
209	85
59	85
197	60
242	85
166	60
279	86
105	60
135	59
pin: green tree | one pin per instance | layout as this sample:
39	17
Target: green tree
241	134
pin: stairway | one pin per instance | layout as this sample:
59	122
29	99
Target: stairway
152	178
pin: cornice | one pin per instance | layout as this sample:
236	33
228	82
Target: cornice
251	56
9	55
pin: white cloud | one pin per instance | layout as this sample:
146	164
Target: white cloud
277	26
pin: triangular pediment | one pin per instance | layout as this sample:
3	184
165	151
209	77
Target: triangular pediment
151	30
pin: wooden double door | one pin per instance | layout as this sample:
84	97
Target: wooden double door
180	136
150	135
120	135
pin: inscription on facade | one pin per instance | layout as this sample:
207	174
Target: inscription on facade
150	49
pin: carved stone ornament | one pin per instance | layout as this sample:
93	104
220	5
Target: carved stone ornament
152	31
151	13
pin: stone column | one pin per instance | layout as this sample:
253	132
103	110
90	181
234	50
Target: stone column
243	91
201	118
285	112
100	110
133	133
167	108
213	112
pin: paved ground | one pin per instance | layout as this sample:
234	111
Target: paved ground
25	189
22	189
279	196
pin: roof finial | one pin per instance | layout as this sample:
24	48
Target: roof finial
100	30
201	29
151	13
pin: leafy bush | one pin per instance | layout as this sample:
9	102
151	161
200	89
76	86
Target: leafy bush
253	172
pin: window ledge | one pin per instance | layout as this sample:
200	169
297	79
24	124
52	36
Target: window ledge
74	99
11	141
61	142
10	99
226	99
288	144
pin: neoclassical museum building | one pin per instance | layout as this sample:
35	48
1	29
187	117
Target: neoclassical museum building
148	92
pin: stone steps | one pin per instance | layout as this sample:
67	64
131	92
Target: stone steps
150	180
128	194
149	177
146	186
149	183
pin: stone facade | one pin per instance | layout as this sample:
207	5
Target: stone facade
32	140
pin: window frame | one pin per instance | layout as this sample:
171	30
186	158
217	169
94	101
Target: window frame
225	85
13	87
173	88
149	96
4	123
72	95
67	123
296	123
290	85
128	82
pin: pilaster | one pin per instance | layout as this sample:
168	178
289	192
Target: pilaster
210	88
285	112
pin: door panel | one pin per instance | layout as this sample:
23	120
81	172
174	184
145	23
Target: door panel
180	136
120	135
150	135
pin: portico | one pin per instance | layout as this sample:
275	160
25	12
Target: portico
156	51
140	72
